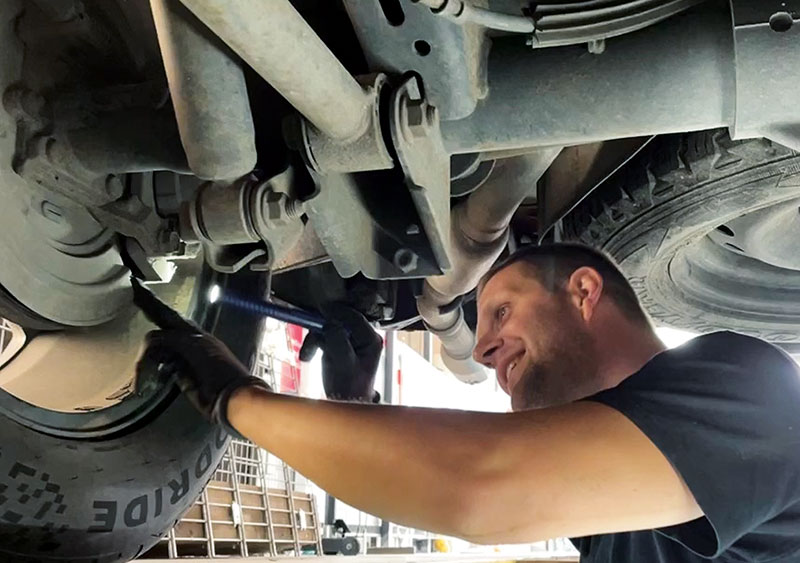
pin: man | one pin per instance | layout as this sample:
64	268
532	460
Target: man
642	454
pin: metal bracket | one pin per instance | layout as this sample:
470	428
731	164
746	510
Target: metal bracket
367	222
767	31
450	58
420	150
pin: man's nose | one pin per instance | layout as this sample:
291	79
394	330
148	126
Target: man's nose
485	348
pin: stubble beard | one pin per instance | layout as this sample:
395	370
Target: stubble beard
567	373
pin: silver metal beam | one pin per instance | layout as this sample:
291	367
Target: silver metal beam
673	77
274	39
209	94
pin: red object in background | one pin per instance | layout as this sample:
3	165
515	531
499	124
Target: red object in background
290	372
399	380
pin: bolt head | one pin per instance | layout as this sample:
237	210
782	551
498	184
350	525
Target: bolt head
169	240
114	186
418	118
405	260
275	208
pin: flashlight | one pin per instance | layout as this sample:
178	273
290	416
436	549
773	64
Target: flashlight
291	315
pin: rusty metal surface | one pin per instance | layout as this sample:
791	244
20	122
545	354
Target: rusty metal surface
308	251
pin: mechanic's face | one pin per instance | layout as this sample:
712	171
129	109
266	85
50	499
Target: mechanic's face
537	341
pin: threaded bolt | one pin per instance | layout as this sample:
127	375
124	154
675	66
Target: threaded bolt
295	208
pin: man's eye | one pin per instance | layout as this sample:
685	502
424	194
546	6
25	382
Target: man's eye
502	312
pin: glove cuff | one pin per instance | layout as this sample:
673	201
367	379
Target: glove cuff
220	412
375	398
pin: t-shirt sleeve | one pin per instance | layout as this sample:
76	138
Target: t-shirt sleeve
725	411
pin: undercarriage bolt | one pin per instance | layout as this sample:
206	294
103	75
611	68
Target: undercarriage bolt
295	208
114	186
169	240
406	260
418	118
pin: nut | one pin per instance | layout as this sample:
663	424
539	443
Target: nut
114	186
275	213
406	260
418	118
169	240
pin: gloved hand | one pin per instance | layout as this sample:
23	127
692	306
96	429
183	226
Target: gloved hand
351	353
203	367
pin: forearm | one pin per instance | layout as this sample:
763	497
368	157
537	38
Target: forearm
417	467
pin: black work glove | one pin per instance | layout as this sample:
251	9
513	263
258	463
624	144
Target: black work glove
205	370
351	353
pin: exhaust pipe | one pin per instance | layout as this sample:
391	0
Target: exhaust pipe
478	235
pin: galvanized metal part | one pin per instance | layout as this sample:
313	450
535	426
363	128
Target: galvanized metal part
467	175
454	68
766	44
367	151
208	92
243	221
683	78
274	39
426	165
560	23
463	12
362	221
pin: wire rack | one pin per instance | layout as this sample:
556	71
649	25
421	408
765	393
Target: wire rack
254	504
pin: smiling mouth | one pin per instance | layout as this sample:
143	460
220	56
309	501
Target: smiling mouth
510	383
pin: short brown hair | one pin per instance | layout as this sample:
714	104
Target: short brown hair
552	265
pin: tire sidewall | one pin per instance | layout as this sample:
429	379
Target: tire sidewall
112	499
645	234
647	247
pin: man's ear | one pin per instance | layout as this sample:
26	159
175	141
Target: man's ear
585	286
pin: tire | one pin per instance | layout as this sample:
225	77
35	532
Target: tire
111	498
655	216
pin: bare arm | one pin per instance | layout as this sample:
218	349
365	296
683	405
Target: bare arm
575	470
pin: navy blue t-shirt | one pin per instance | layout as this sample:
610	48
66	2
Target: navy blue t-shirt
725	411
